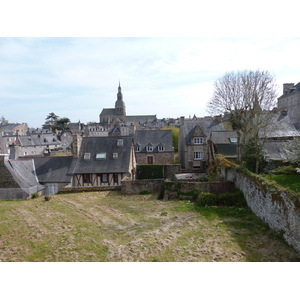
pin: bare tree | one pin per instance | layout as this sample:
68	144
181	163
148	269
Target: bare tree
246	98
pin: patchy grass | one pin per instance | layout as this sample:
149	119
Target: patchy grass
291	182
108	226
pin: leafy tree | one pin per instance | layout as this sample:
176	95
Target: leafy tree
55	122
50	121
175	136
245	97
3	121
61	124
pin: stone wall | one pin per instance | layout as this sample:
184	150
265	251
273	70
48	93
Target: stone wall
13	194
137	186
280	210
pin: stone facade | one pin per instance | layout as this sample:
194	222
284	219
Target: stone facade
290	102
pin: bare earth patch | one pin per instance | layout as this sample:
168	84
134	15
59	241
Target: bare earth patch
108	226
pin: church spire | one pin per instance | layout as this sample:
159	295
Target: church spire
119	95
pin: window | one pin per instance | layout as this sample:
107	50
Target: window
87	178
137	147
198	141
198	155
115	155
161	148
120	142
149	148
87	156
104	178
101	155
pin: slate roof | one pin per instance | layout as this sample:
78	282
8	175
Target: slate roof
54	169
223	137
281	126
39	140
223	144
24	174
107	111
154	137
276	150
108	145
8	127
208	125
141	119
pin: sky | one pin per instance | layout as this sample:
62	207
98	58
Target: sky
167	76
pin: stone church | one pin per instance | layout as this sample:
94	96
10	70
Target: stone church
110	116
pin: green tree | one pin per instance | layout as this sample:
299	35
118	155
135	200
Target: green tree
175	136
3	121
61	124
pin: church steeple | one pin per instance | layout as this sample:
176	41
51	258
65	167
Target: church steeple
120	109
119	95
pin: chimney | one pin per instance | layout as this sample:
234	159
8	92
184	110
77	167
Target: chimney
287	87
76	145
181	120
14	151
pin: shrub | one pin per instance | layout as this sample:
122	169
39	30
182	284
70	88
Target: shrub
150	171
35	195
206	199
144	192
235	198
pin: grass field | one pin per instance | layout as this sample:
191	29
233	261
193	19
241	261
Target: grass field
291	181
111	227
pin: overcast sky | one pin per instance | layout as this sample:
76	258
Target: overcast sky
169	77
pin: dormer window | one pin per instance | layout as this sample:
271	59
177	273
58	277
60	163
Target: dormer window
161	148
87	156
198	140
138	148
149	148
120	142
101	155
233	140
115	155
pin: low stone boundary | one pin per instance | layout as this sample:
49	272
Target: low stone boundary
89	189
279	209
137	186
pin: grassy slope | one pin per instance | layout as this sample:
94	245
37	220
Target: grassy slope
108	226
288	181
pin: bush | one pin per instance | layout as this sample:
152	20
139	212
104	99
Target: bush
235	198
150	171
144	192
35	195
206	199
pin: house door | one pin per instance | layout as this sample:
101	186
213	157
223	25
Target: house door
116	177
150	160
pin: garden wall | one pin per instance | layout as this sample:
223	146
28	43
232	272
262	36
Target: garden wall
137	186
280	210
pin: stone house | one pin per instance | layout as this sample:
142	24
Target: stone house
9	133
104	161
154	147
289	102
193	146
40	144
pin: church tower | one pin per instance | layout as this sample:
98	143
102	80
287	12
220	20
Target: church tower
120	108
